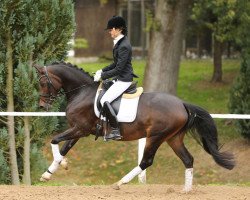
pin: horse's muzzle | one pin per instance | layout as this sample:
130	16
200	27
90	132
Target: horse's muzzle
44	105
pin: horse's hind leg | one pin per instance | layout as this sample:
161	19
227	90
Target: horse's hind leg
180	150
152	144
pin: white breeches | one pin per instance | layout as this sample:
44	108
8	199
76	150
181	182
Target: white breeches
115	91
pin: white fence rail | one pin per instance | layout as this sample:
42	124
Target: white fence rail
33	114
141	142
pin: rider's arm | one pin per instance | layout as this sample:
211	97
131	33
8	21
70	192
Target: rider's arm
109	67
122	60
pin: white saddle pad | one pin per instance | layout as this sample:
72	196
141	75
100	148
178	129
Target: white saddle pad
128	106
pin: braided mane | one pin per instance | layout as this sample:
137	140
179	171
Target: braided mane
72	66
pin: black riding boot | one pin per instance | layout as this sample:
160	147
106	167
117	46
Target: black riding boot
111	117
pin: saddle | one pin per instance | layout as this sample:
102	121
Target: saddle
124	106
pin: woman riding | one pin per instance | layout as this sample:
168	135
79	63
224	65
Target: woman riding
120	71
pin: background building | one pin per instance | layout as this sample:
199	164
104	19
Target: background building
92	17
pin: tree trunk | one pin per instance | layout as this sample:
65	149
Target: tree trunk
129	8
162	68
217	74
10	108
26	153
142	28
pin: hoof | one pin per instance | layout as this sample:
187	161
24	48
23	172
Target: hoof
186	190
45	177
64	163
116	186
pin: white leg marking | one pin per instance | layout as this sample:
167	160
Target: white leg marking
56	153
137	170
46	176
188	180
53	167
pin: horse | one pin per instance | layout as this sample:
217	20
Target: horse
160	118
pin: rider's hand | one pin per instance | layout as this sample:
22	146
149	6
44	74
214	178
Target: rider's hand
98	71
97	77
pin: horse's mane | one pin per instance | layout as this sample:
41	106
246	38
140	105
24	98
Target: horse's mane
68	64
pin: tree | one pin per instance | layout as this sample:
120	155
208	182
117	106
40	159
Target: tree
240	91
5	170
31	32
164	53
219	16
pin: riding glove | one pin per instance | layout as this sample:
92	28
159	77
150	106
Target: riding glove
97	76
98	71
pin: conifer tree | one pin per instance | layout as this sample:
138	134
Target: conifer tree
240	92
31	32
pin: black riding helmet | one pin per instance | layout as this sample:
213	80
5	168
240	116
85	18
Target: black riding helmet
117	22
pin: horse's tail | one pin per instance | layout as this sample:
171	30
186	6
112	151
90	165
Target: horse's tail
204	131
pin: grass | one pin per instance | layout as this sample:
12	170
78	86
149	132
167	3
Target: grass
195	86
97	162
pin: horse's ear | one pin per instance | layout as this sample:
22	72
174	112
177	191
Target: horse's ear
38	68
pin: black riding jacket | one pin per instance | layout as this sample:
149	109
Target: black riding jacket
121	69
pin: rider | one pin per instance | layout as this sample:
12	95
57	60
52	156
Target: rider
120	71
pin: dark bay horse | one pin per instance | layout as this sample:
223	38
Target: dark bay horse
160	118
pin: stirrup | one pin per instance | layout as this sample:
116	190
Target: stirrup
113	135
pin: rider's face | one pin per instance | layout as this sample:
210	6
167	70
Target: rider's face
114	32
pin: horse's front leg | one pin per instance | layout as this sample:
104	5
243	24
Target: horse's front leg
64	150
58	158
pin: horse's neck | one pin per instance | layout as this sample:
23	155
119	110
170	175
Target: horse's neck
84	100
87	90
74	82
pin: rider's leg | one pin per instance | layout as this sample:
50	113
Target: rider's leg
111	116
115	91
112	93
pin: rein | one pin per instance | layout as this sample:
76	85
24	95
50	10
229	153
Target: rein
77	88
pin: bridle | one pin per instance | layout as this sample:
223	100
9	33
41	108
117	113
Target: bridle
50	96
